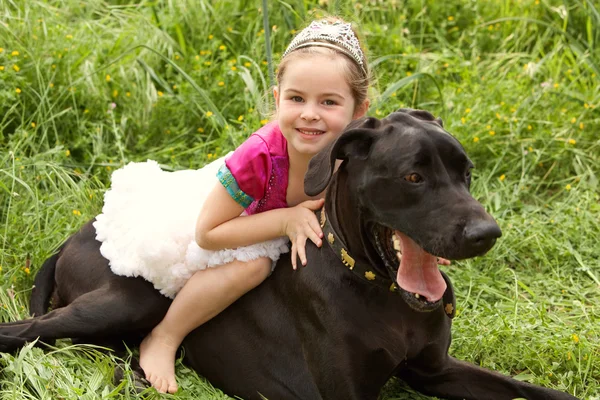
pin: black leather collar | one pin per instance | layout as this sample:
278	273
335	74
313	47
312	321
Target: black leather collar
366	273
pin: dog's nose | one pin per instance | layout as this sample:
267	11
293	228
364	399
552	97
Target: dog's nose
481	236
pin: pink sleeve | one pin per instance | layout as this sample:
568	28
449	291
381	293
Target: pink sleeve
247	171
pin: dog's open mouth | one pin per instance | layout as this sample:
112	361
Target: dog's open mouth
418	277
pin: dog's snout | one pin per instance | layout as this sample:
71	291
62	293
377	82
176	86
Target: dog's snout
481	235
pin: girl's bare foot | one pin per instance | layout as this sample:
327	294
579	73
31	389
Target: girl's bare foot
157	359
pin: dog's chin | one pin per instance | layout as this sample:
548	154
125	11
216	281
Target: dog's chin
423	297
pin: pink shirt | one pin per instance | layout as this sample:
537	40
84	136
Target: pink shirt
256	174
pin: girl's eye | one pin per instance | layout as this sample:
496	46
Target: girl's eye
329	103
414	178
296	99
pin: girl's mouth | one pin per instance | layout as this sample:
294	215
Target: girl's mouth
310	132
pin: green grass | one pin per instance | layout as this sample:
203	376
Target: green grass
96	84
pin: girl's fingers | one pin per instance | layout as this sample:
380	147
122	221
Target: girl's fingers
314	204
314	237
293	255
443	261
301	249
315	227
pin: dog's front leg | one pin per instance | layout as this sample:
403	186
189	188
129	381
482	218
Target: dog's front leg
454	379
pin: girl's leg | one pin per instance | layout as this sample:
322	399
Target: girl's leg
206	294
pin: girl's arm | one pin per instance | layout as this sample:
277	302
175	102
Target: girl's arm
219	225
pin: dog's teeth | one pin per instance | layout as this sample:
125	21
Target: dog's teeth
397	245
399	256
417	295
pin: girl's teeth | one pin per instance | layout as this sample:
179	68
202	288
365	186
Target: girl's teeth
310	133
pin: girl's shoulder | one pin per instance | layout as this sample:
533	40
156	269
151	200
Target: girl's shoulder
271	138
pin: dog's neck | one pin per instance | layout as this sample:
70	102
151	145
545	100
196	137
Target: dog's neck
347	220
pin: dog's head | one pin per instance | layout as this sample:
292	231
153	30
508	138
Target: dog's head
409	180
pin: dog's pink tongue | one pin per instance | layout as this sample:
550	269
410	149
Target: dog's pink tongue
418	271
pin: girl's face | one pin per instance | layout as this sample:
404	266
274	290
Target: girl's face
314	103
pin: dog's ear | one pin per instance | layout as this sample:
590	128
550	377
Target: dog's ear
422	115
354	142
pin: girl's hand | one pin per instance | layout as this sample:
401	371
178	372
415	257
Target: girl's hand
302	224
443	261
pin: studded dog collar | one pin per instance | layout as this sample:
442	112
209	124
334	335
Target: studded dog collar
365	272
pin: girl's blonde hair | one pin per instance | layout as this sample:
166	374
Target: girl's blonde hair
358	77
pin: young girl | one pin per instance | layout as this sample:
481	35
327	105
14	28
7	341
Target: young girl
249	204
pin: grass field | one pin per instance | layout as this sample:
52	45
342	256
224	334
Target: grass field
88	86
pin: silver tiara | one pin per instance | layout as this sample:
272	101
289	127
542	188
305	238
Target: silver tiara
336	35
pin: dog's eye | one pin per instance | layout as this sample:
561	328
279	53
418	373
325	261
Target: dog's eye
414	178
468	174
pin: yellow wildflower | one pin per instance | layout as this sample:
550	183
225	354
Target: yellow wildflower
51	85
234	68
1	67
221	83
476	139
76	212
107	78
201	130
241	118
572	141
492	133
581	125
463	120
1	50
247	64
209	114
221	47
468	110
207	63
16	68
573	120
502	177
67	153
263	121
575	338
33	124
556	85
14	53
128	94
529	127
159	93
210	37
115	93
69	36
18	90
27	270
568	187
450	18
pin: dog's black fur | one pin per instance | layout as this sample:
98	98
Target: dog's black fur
320	332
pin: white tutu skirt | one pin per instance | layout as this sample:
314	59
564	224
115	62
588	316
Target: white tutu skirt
147	226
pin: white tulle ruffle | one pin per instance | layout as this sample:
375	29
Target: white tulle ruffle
147	226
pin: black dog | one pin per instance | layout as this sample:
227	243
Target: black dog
354	317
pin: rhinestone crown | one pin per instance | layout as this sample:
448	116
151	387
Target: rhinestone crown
337	35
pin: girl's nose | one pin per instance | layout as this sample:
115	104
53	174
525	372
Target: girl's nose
309	113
